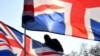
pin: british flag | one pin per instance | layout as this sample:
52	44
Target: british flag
12	43
78	18
15	41
4	46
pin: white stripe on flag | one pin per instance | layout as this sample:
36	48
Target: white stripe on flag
49	2
4	48
88	25
48	11
95	14
68	29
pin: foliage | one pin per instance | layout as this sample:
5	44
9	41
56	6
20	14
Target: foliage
93	51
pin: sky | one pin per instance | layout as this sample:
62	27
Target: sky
11	14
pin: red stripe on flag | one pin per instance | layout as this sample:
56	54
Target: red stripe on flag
44	7
14	43
48	53
22	53
91	3
28	8
28	46
78	21
28	43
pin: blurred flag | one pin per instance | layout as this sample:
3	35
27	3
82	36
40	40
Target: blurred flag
43	50
79	18
12	43
15	40
49	16
5	49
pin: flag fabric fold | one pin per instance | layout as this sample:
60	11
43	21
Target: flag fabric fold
79	18
12	43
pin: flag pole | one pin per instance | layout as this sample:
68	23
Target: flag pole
25	41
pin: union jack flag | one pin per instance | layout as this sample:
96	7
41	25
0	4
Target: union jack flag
5	49
12	43
78	18
15	41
